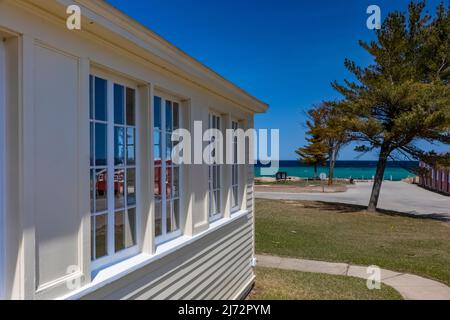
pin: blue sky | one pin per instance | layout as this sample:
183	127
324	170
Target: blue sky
285	52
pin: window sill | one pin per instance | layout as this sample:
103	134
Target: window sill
121	269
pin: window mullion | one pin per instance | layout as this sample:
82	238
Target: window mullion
163	170
110	165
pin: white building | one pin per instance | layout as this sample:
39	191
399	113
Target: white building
92	207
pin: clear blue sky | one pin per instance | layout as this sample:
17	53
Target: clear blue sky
285	52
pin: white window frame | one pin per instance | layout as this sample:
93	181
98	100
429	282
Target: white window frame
214	216
166	236
235	169
113	257
2	168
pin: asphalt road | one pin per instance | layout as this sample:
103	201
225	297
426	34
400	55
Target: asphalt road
395	196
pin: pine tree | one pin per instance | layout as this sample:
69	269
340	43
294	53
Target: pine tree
404	96
315	152
330	128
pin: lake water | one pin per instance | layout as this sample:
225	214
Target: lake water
395	171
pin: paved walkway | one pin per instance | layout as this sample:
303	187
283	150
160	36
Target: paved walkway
395	196
411	287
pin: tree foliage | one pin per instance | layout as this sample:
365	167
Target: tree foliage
330	128
403	97
315	153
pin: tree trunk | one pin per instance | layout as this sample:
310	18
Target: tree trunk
331	169
315	171
378	181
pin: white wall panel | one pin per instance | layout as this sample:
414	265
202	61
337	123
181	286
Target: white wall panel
56	164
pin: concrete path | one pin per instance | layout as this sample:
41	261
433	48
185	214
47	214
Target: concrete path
411	287
395	196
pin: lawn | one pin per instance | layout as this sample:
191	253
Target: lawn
343	233
276	284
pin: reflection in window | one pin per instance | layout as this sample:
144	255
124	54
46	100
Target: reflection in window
119	102
119	188
101	236
131	106
101	190
131	187
101	144
131	149
167	174
126	169
214	176
235	170
113	172
119	146
100	107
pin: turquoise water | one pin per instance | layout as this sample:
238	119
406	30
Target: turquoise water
355	172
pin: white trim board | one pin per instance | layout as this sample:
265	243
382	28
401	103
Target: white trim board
2	169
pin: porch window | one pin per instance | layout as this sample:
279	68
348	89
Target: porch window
214	176
167	174
113	171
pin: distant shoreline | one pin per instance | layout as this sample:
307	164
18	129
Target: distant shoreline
347	163
358	170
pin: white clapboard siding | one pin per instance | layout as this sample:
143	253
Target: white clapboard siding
217	266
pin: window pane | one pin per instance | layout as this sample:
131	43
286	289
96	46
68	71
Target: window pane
91	97
176	211
169	123
168	146
119	189
92	238
131	150
176	182
169	182
131	187
210	210
119	102
158	219
101	190
157	113
235	196
119	146
176	116
218	177
213	201
130	228
157	144
100	99
100	144
91	142
101	237
169	216
157	183
131	112
92	189
215	178
173	216
119	231
217	198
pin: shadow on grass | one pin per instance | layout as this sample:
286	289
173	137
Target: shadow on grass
352	208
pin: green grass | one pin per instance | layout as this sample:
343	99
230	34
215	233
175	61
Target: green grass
341	233
276	284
